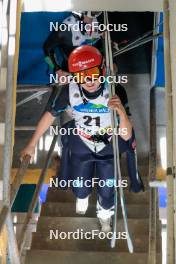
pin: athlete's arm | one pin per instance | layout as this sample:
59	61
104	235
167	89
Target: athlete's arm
44	123
57	39
55	106
49	49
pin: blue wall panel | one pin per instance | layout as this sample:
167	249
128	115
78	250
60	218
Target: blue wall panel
34	31
160	80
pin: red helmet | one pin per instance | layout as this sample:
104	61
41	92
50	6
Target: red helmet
83	58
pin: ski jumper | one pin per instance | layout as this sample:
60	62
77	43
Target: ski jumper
88	151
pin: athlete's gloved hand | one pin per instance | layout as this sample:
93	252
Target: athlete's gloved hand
116	104
28	150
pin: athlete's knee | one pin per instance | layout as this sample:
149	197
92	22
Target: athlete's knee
81	192
106	201
106	193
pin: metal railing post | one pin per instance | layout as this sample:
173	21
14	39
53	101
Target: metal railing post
153	192
172	16
169	136
13	252
153	200
9	81
3	73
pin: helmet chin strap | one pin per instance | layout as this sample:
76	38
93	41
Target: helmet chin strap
85	101
86	95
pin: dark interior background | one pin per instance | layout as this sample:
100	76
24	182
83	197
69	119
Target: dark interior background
35	29
137	60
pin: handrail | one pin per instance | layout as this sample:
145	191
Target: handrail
3	216
14	189
36	195
153	200
19	178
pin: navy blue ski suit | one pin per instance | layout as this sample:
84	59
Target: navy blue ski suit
78	161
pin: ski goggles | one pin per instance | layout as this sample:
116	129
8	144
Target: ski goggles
89	75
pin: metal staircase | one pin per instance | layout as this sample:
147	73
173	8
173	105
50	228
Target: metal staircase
59	210
58	213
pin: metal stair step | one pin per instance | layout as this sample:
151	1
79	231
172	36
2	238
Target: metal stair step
71	257
69	210
44	242
143	170
68	224
58	195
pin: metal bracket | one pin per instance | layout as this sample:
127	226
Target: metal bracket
171	171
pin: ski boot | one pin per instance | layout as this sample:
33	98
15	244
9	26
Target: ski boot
104	216
82	205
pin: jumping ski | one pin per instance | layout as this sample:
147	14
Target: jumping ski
117	170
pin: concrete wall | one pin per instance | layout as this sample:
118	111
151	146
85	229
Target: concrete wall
138	90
